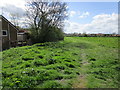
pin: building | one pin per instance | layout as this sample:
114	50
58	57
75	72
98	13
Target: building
23	38
8	34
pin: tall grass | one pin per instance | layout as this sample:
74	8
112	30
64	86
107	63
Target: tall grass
58	64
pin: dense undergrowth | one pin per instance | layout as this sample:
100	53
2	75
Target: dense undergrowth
57	64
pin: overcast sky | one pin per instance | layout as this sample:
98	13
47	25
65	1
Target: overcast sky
89	17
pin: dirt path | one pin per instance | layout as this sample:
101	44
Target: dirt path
81	81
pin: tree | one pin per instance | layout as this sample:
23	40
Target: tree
14	18
46	18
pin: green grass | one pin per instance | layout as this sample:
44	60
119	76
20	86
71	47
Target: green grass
58	64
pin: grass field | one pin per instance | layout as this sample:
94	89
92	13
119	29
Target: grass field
76	62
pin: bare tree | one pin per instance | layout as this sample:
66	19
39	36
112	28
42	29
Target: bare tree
14	18
44	15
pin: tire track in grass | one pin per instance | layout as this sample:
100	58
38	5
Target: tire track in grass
81	80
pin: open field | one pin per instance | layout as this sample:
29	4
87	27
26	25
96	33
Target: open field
76	62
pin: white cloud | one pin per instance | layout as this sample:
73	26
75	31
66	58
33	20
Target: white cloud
12	6
72	13
84	15
103	23
8	7
17	3
12	9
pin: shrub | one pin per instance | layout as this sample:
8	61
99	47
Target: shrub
51	35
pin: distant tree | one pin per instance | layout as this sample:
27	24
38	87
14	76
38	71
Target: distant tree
114	33
84	34
46	19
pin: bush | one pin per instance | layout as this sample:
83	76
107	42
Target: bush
53	34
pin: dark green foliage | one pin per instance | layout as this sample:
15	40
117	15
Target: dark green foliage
92	59
51	35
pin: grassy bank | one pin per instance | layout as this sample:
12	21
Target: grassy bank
89	62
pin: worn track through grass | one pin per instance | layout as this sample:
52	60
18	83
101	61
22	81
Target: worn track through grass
82	78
